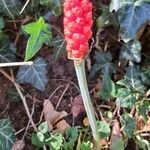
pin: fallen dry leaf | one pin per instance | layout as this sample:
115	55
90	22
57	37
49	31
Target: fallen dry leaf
51	115
77	106
18	145
62	126
103	142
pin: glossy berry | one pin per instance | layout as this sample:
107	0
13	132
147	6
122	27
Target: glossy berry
77	27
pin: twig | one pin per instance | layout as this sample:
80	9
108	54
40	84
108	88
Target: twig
29	120
23	8
62	96
15	64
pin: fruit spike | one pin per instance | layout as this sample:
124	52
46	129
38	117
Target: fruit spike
77	27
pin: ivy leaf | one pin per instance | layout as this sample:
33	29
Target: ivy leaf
118	4
142	143
86	145
117	144
36	141
132	16
35	74
54	5
7	137
1	23
129	124
131	51
40	33
103	64
43	127
7	50
143	109
132	79
56	141
106	18
108	87
59	46
10	8
71	137
125	98
103	129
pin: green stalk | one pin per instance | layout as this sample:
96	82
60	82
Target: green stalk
80	71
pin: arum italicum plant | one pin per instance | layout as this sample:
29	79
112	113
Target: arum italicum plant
77	29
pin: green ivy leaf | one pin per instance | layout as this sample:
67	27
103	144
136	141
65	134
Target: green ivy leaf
125	98
7	137
143	109
103	129
129	124
86	145
54	5
43	127
132	79
71	137
103	64
1	23
10	8
7	50
131	51
142	143
132	16
56	141
35	74
108	88
36	141
40	33
59	46
106	18
117	144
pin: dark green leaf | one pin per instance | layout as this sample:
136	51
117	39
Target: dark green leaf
144	108
59	46
36	74
129	124
7	50
36	141
132	79
125	98
54	5
10	8
106	18
1	23
40	33
132	16
103	129
108	88
7	137
103	64
71	137
131	51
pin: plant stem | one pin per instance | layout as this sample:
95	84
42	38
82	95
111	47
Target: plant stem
80	71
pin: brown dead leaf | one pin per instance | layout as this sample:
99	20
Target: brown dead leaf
51	115
18	145
103	142
140	123
77	106
86	122
62	126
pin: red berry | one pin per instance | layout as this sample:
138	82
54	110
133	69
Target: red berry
77	27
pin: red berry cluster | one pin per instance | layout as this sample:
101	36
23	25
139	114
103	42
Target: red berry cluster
77	27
